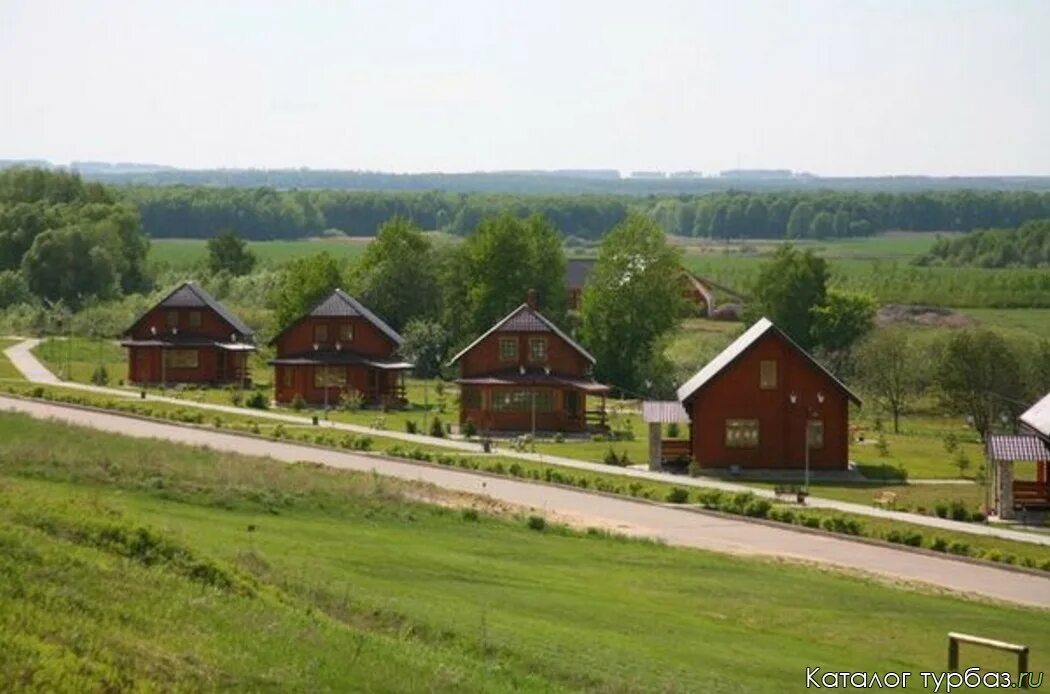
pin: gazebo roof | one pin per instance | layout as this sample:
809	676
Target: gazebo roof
1004	447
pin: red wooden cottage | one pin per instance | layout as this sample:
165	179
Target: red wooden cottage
764	403
188	337
524	374
339	348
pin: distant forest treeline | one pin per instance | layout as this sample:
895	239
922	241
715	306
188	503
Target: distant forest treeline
267	213
1026	246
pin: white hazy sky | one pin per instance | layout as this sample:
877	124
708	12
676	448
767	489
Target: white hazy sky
835	87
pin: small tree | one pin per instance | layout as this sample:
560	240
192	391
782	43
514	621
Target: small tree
890	372
437	429
962	461
228	252
950	442
979	375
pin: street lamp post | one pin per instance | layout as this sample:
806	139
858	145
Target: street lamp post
806	436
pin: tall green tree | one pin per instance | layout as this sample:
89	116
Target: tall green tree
979	375
842	319
305	282
787	290
228	252
495	267
632	300
69	265
398	274
892	371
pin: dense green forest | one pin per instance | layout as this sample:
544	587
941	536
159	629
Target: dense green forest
266	213
1025	246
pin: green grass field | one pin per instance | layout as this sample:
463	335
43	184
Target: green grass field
132	571
7	369
186	253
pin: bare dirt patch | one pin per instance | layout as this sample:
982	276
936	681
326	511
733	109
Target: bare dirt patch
926	316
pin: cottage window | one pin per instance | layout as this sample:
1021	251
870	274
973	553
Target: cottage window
329	376
195	319
172	319
767	379
346	332
181	359
815	433
508	349
741	433
321	333
521	400
538	349
470	398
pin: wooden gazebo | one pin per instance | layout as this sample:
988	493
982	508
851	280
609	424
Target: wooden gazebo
1010	494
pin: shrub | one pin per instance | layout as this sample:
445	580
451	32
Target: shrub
536	523
977	517
941	510
410	426
737	502
236	397
958	511
677	495
559	437
784	515
1007	558
611	458
258	400
810	521
470	514
516	470
694	467
469	428
218	422
961	548
437	429
350	401
758	508
708	498
939	544
298	403
100	376
379	423
882	446
912	539
996	555
672	430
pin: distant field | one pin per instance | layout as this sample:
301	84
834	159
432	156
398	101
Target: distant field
890	245
132	571
181	253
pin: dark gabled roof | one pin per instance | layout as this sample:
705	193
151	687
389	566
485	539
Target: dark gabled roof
339	304
738	348
192	295
577	270
524	319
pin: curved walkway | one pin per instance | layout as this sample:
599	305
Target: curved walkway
24	360
676	526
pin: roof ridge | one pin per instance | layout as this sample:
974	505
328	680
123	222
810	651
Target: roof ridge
546	321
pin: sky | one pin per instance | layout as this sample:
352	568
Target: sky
833	87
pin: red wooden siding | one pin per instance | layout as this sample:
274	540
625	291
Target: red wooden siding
735	393
484	357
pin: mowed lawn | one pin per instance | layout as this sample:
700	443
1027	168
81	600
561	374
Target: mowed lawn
7	369
132	565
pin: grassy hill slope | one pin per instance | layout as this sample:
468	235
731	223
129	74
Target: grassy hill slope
127	564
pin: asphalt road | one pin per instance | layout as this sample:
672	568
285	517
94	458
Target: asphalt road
676	526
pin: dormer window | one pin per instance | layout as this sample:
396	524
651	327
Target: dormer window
538	349
508	349
321	333
346	332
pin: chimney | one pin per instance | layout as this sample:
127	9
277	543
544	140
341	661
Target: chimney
531	299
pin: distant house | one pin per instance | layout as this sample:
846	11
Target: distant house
188	337
765	403
339	348
578	270
525	374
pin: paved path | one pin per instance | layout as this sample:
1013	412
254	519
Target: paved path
675	525
24	360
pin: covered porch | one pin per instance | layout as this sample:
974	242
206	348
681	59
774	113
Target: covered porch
322	378
177	359
656	414
532	402
1009	494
